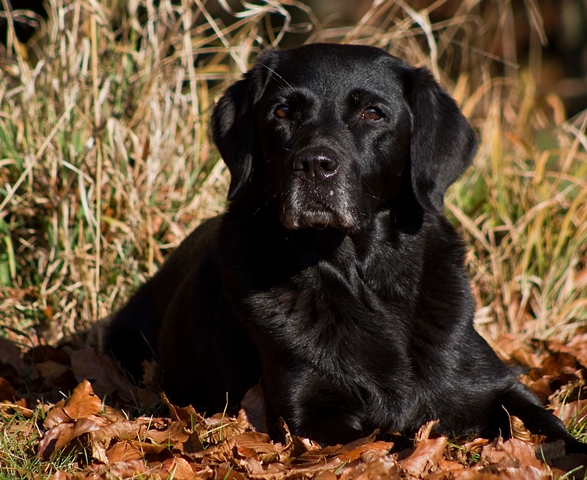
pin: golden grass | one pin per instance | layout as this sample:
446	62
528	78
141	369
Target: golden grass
106	162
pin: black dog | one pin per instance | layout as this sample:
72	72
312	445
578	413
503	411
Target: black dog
333	274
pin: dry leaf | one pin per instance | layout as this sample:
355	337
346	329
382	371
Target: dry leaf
385	468
51	369
55	439
56	416
185	414
123	452
519	430
515	452
425	430
426	455
174	433
82	402
179	468
7	391
103	372
572	411
10	354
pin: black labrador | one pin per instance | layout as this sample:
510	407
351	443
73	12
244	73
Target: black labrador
333	274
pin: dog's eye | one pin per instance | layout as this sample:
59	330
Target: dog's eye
371	113
282	111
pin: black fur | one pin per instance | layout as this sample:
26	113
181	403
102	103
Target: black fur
333	274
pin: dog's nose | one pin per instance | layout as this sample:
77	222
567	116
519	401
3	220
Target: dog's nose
316	163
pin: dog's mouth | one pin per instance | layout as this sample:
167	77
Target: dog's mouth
310	219
298	215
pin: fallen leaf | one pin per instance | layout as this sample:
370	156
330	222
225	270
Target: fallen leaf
51	369
82	402
7	391
579	346
56	416
519	430
427	454
515	452
59	475
510	347
572	412
174	433
10	354
54	440
103	372
425	430
128	469
191	445
179	468
88	424
326	475
185	414
123	452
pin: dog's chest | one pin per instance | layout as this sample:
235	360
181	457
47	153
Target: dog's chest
331	315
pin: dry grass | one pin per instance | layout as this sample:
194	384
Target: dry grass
106	162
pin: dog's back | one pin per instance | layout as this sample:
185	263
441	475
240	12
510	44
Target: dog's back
131	335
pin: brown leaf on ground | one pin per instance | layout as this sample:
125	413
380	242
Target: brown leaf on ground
7	391
220	427
541	386
189	445
383	468
11	355
510	473
173	434
257	445
426	456
104	374
425	430
83	402
185	414
510	347
519	430
560	365
120	430
128	469
87	425
178	468
123	452
512	453
579	347
56	416
572	411
55	439
53	372
19	406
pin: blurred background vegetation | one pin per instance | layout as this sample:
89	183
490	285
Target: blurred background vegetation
106	162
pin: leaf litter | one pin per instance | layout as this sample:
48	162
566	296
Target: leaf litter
103	423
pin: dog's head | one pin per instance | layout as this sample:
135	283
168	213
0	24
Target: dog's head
326	133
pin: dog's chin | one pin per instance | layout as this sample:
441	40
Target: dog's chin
318	219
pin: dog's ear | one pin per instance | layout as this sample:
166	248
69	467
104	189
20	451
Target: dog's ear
234	126
443	143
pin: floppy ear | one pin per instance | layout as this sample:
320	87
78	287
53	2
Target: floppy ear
234	126
443	143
